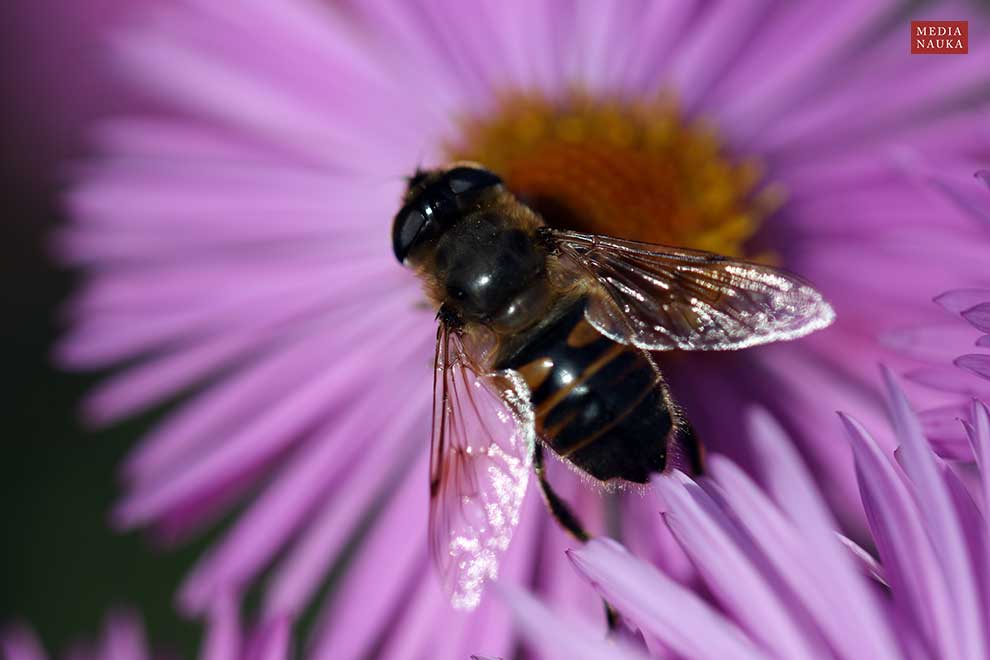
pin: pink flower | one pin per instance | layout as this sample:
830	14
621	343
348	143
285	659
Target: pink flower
785	583
238	265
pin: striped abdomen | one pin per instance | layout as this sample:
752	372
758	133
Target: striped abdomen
598	403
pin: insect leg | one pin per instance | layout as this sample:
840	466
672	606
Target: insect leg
695	451
566	518
558	508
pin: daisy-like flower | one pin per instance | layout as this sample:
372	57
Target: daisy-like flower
236	246
124	638
783	580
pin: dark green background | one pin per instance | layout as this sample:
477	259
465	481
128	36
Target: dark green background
62	566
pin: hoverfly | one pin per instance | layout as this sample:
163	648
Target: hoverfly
544	340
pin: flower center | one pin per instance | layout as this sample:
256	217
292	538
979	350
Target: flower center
633	170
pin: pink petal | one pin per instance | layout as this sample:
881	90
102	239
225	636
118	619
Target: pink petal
959	300
949	379
909	561
276	430
807	555
709	49
299	575
559	638
979	316
930	342
287	501
941	519
658	605
272	642
123	637
980	438
977	363
731	568
241	396
945	432
387	564
19	642
222	640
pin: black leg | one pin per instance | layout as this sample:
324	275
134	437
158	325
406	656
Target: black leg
558	508
695	451
566	518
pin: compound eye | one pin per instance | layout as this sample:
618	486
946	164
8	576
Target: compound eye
405	229
470	179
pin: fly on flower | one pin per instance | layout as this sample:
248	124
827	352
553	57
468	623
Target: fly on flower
544	339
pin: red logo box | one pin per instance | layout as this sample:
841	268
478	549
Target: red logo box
939	37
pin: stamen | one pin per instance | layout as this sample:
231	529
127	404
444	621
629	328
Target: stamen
636	170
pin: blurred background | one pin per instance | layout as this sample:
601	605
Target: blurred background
62	566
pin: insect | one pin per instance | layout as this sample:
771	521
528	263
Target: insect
544	341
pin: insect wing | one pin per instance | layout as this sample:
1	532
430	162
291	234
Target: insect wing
480	464
662	298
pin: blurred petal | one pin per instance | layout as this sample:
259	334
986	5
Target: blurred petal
20	643
978	364
979	316
123	637
960	300
556	637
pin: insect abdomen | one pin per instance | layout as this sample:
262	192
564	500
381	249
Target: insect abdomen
598	403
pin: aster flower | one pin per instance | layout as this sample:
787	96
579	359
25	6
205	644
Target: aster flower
236	243
782	579
124	638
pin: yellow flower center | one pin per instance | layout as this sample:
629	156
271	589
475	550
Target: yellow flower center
633	170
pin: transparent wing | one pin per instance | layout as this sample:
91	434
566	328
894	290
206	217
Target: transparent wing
662	298
480	463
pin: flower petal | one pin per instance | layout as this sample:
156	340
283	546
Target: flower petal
311	473
222	639
19	642
979	316
806	553
980	439
959	300
272	641
909	562
555	637
945	432
388	562
941	519
659	606
731	567
123	637
949	379
938	342
977	363
299	575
